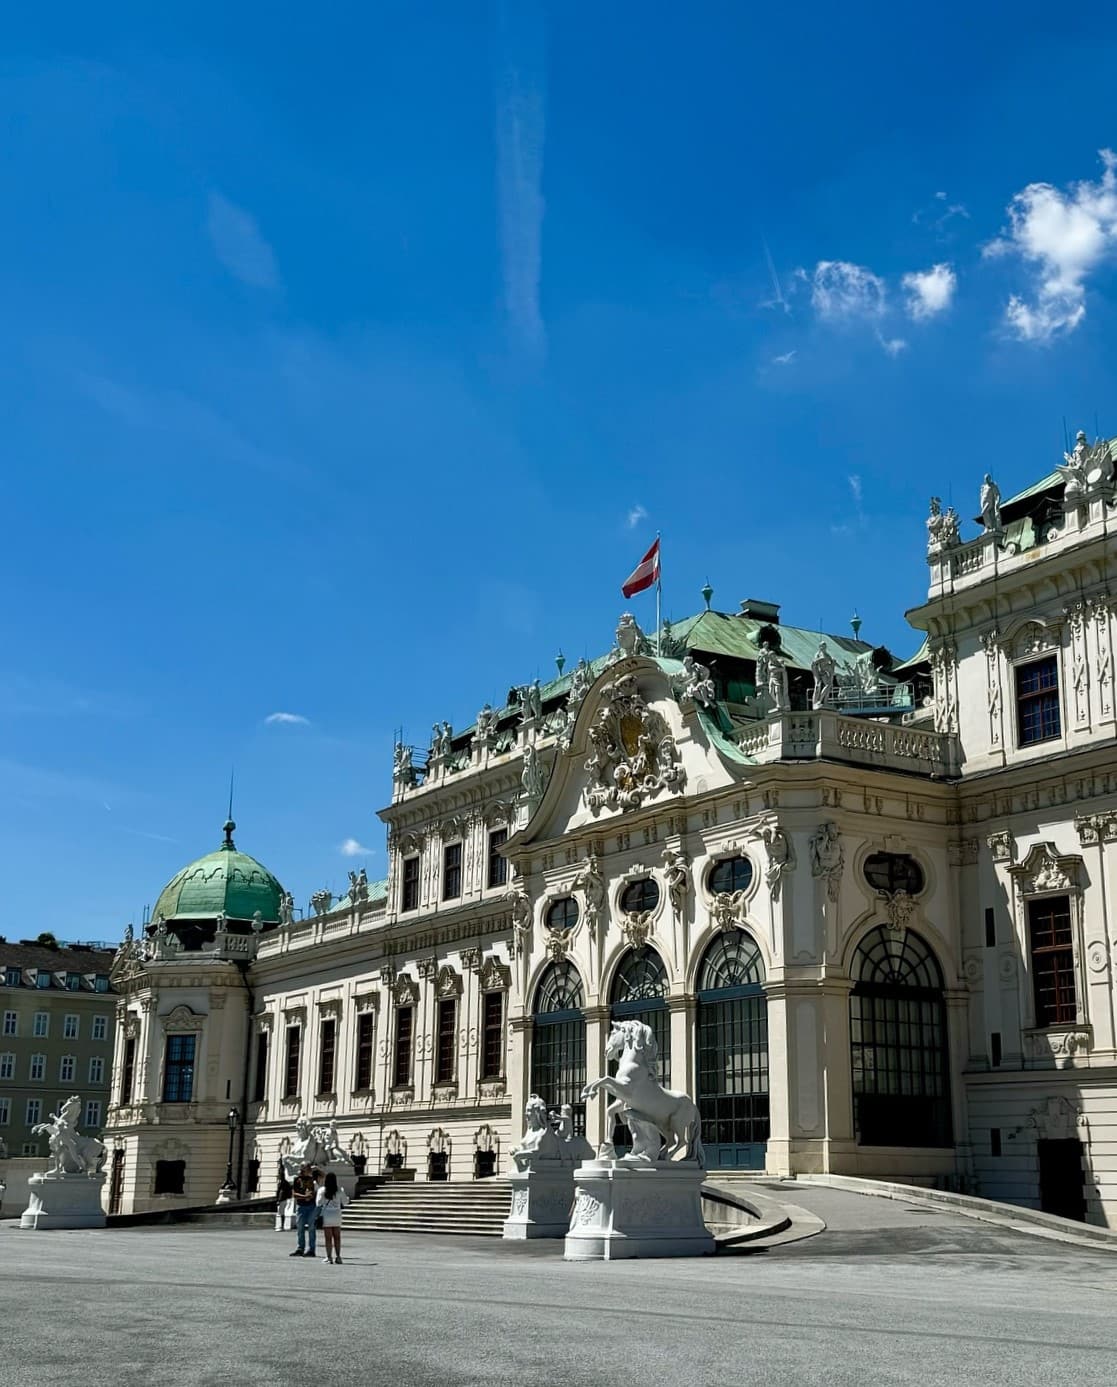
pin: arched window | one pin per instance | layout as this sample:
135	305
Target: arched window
729	875
733	1053
639	992
640	895
900	1057
558	1042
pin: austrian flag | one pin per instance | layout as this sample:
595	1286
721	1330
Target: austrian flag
644	574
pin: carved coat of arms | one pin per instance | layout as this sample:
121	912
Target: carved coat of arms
632	751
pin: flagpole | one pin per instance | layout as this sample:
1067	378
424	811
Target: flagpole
658	597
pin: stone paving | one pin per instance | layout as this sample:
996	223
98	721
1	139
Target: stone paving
888	1294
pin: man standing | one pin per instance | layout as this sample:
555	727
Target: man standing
306	1211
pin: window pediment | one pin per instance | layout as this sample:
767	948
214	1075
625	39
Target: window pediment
1045	872
183	1019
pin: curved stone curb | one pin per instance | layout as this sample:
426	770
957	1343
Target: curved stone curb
1022	1220
777	1223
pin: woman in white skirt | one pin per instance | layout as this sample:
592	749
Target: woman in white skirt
331	1200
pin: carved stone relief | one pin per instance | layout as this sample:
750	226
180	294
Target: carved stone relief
632	752
1045	872
944	674
1076	615
828	858
495	977
448	982
780	854
1002	846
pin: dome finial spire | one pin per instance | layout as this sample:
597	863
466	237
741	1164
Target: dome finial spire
229	825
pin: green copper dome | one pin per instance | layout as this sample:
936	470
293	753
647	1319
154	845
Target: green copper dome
225	882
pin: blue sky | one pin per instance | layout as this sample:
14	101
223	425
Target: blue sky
349	361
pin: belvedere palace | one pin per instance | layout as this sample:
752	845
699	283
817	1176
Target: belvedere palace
864	903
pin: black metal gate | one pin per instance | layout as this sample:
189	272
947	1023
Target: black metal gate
558	1062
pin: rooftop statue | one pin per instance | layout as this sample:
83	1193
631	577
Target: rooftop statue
942	527
286	907
640	1100
823	667
485	724
531	700
71	1153
991	505
775	679
695	683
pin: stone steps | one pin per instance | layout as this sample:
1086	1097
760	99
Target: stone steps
473	1208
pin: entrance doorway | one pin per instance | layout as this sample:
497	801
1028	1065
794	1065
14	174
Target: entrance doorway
1060	1179
116	1182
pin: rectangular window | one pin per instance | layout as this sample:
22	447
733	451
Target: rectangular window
96	1070
1052	961
1037	701
38	1069
403	1047
66	1066
11	1023
42	978
128	1071
5	1111
995	1049
92	1114
178	1074
291	1063
447	1030
73	982
990	929
70	1027
101	982
366	1021
410	897
994	1141
100	1027
260	1092
327	1037
170	1177
452	872
41	1024
498	865
7	1066
34	1111
13	977
492	1035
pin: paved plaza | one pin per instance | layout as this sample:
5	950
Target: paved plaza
888	1294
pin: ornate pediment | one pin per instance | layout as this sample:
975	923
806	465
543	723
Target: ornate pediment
183	1019
405	991
449	982
632	752
1045	872
495	977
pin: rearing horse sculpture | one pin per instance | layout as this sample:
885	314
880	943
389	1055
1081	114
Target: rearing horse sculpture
641	1100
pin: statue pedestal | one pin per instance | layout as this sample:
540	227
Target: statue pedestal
541	1201
346	1176
64	1201
637	1209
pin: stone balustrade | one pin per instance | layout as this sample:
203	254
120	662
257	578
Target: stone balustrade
829	736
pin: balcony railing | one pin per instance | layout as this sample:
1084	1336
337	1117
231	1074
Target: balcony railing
828	736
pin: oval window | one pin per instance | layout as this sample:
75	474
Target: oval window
894	871
562	914
732	874
639	896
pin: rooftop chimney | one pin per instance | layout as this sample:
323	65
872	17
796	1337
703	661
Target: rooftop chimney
761	611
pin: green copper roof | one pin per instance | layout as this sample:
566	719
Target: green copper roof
223	882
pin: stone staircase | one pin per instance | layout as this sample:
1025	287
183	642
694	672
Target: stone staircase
476	1208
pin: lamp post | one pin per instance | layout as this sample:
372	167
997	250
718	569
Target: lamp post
228	1190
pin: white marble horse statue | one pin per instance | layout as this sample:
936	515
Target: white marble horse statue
641	1101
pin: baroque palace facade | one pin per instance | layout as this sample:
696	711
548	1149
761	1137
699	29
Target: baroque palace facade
864	906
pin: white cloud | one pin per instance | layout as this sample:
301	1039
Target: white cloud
353	847
892	345
841	290
297	718
635	515
855	487
929	291
1062	236
238	244
785	358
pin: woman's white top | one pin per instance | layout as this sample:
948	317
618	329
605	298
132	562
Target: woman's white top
330	1209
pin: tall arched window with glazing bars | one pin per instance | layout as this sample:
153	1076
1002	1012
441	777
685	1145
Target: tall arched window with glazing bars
558	1040
639	992
733	1053
898	1040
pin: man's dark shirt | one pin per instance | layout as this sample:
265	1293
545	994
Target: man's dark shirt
305	1190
